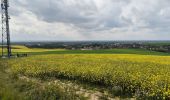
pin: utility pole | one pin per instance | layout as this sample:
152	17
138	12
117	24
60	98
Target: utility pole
6	44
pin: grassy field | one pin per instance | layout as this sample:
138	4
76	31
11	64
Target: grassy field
35	51
133	73
158	43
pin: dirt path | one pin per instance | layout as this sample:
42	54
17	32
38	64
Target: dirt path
91	93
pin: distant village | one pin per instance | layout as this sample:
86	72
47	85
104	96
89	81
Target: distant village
102	45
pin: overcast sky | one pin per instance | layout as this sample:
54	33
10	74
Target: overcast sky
59	20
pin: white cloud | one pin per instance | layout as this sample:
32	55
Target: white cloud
90	19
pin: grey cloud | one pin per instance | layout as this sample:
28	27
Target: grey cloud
95	16
85	14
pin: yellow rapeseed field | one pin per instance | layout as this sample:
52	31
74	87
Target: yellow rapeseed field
140	75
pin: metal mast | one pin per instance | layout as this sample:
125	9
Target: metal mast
6	45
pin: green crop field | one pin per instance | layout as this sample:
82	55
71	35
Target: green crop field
158	43
121	73
36	51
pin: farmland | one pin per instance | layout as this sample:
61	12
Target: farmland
121	73
38	51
